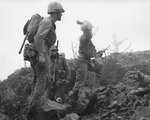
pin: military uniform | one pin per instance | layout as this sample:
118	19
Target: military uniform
86	52
43	40
63	74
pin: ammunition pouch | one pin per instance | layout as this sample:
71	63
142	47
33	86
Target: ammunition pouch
60	82
61	74
60	77
29	52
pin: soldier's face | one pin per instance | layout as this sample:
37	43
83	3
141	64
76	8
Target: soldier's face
53	54
59	16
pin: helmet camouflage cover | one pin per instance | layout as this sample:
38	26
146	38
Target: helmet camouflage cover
55	7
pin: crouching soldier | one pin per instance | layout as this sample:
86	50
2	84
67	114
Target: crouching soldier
62	74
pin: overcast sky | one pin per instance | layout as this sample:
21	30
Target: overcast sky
128	19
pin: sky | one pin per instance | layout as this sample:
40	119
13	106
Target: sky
129	20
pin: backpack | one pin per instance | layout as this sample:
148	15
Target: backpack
29	30
31	27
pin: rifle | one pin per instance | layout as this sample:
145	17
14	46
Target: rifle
100	53
55	60
23	43
52	82
105	49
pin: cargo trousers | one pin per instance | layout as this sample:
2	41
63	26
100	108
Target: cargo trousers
81	73
43	76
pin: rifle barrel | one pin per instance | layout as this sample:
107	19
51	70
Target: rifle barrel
106	48
22	45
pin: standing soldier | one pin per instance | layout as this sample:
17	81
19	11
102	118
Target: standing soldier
86	52
43	40
63	74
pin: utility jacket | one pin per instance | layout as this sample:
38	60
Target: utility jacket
86	47
45	36
62	66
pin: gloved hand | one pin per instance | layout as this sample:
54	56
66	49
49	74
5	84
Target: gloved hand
41	59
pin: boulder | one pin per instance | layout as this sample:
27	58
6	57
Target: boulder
3	117
141	113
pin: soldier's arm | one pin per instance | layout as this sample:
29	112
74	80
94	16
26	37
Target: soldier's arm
85	38
43	30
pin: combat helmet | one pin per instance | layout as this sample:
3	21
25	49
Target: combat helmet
85	25
55	7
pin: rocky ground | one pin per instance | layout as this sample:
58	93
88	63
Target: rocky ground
117	102
128	99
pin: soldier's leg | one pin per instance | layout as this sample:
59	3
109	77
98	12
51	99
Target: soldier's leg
39	88
81	76
60	92
42	76
34	78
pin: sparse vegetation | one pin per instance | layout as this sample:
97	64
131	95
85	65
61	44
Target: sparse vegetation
115	67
